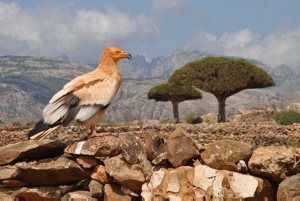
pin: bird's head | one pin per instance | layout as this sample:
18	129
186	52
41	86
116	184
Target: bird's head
116	54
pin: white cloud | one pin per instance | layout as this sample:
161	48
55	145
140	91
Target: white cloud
274	49
56	30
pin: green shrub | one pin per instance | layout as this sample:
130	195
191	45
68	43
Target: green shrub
193	119
287	117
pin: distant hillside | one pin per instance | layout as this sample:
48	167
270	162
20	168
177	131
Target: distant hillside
27	84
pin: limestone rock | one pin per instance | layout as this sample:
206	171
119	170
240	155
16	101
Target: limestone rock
54	172
289	189
204	183
86	161
99	174
129	192
96	189
180	148
31	149
8	172
225	154
112	192
6	197
33	193
78	195
146	165
155	144
128	175
131	147
242	166
96	146
274	162
161	159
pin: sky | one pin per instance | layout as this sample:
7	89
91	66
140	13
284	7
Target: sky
266	30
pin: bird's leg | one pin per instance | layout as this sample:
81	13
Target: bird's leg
94	132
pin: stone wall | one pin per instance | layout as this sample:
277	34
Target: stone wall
153	168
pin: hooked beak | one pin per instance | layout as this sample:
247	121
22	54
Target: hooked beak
129	56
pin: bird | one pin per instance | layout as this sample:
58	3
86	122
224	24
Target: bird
83	99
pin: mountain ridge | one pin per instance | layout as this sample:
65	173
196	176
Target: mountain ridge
27	84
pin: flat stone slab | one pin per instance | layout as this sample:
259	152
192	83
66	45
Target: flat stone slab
32	193
96	146
53	172
30	149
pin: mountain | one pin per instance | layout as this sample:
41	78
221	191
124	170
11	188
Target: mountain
161	67
27	83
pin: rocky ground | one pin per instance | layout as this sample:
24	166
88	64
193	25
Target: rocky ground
249	157
256	134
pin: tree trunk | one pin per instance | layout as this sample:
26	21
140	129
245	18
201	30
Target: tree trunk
222	111
175	111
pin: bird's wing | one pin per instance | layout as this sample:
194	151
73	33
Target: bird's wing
81	98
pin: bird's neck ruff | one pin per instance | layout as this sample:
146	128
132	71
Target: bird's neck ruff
108	65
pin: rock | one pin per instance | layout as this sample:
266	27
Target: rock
252	115
6	197
225	154
274	162
289	188
8	172
78	195
180	148
99	174
31	149
161	159
112	192
96	189
12	183
154	144
210	117
146	165
294	106
296	166
129	192
70	188
55	172
86	161
128	175
131	147
40	193
204	183
96	146
242	166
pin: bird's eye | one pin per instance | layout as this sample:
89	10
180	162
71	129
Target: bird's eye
118	52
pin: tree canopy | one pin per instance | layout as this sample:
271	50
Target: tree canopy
175	94
222	76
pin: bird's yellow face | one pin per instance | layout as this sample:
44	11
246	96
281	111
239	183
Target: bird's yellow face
118	54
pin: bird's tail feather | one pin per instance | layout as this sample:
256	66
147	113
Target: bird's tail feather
42	130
